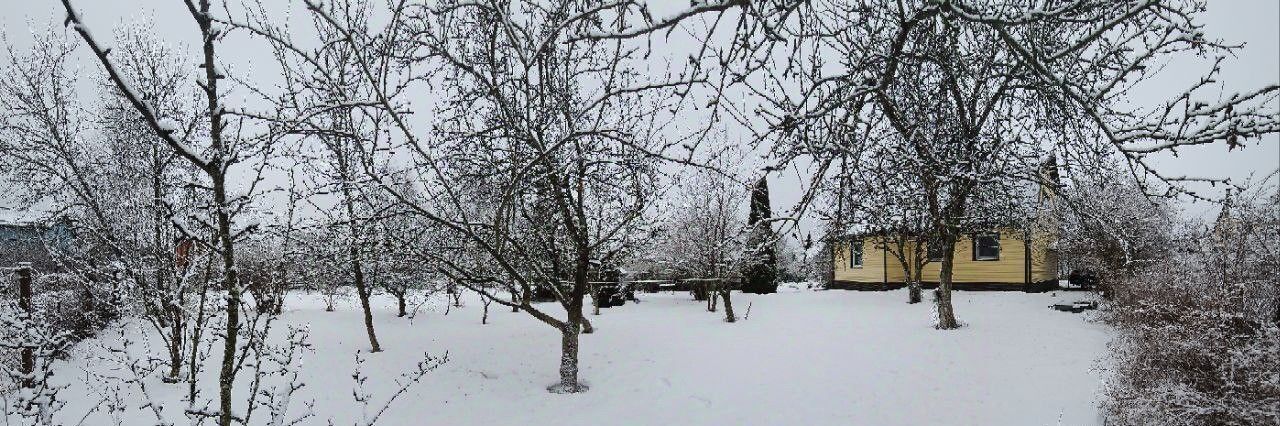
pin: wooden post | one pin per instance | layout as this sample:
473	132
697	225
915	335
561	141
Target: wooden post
24	302
884	262
1026	260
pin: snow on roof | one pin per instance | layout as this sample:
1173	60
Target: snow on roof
22	217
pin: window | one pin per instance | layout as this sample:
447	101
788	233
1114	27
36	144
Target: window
986	246
855	250
933	250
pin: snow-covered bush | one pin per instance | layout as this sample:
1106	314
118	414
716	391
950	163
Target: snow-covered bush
68	311
262	269
1187	353
1199	332
26	388
793	263
64	303
1109	230
60	306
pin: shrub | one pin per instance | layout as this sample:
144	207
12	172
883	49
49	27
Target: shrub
1199	333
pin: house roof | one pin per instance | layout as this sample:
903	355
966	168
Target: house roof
30	242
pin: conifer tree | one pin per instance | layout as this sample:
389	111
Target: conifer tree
762	272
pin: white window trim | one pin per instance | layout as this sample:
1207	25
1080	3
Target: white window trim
856	262
977	256
928	247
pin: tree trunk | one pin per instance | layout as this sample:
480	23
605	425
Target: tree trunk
175	347
698	289
913	286
357	270
400	305
197	330
568	360
917	279
728	306
88	306
231	283
942	296
595	299
587	328
570	328
484	319
713	289
363	292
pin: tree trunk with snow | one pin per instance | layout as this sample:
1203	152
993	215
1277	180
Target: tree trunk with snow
400	305
595	299
569	359
915	278
913	287
713	290
197	332
728	305
942	296
175	351
226	376
362	291
484	318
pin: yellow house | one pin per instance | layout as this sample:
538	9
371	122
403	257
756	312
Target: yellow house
1001	259
1006	259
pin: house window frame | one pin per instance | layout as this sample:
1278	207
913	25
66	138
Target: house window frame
977	255
930	246
857	255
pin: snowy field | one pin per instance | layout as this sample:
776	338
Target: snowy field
804	358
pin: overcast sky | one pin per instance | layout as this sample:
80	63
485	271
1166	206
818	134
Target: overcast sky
1253	22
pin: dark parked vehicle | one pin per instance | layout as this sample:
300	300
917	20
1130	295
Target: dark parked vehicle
1084	279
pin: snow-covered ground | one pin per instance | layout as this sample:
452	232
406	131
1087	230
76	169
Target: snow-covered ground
802	357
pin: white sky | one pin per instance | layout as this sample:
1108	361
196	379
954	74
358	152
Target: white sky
1253	22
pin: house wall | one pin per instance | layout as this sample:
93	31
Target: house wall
1010	269
1044	260
875	264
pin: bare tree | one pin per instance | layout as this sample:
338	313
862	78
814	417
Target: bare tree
705	235
396	235
885	203
31	384
119	182
214	153
353	215
1109	228
533	117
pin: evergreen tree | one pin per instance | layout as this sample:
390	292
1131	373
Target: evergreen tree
762	272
